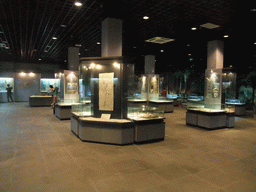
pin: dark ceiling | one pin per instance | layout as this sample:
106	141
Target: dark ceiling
27	28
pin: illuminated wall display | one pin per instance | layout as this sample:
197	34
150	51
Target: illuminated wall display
45	83
3	83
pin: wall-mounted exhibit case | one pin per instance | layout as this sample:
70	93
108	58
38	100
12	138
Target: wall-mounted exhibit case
106	84
45	83
3	83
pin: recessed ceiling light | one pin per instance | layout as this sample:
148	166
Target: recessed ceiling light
209	26
226	36
45	51
78	45
63	25
145	17
162	51
159	40
54	38
78	4
253	9
255	43
98	43
193	28
189	54
39	59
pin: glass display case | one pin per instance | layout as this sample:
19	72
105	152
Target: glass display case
81	109
144	113
172	96
45	83
3	83
105	83
213	88
228	85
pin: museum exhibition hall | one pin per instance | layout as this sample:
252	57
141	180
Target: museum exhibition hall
127	95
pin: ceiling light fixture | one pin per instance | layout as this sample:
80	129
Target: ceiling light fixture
253	10
193	28
98	43
225	36
145	17
63	26
209	26
78	4
159	40
54	38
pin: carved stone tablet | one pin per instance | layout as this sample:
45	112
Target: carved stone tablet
106	91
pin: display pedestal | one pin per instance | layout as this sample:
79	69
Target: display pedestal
63	111
210	119
112	131
240	110
149	130
167	106
74	121
230	120
40	101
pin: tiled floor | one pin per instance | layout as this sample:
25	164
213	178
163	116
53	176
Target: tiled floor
39	153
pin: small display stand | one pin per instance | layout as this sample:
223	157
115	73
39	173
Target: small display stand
209	118
240	109
40	100
79	110
63	110
166	105
149	123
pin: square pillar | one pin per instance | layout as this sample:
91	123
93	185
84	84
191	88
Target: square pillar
111	39
150	64
73	58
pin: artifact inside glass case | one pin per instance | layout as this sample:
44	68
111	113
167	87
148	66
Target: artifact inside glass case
45	83
3	83
145	112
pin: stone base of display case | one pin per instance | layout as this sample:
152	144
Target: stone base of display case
210	120
149	130
112	131
74	125
167	106
240	110
40	101
63	111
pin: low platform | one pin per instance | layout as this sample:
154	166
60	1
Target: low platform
40	100
112	131
167	106
210	119
63	111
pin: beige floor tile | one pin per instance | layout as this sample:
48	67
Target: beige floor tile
217	178
39	153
